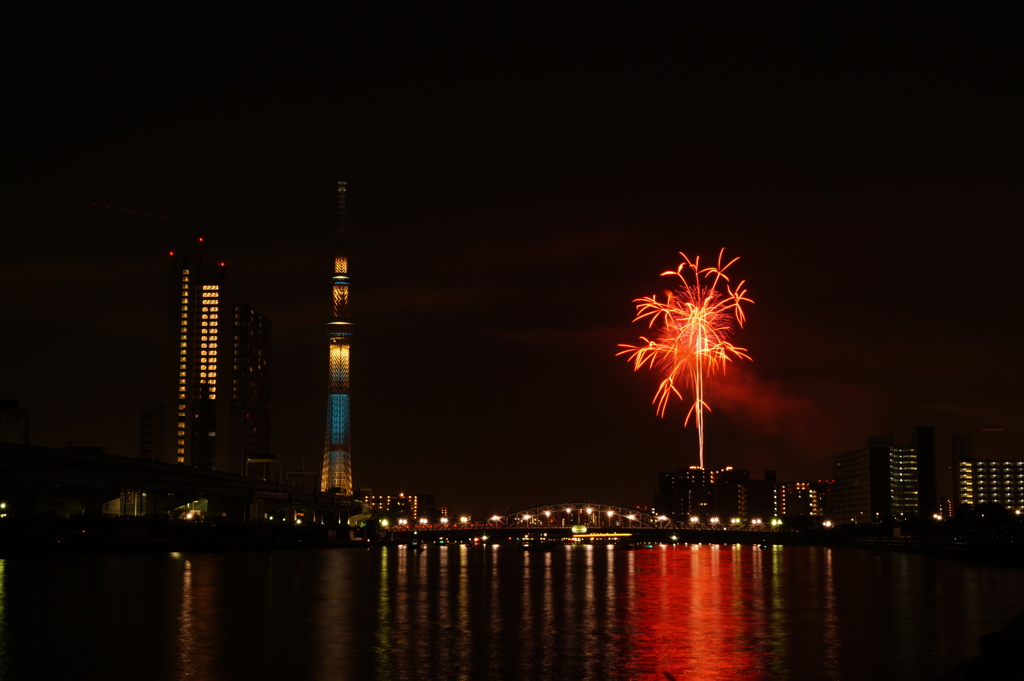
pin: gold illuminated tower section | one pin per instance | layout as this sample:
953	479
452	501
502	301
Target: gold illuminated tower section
336	474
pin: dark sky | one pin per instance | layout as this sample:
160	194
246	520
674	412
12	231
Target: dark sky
518	175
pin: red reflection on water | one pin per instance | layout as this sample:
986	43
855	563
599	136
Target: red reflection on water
691	614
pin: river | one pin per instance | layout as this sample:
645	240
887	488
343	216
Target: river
499	612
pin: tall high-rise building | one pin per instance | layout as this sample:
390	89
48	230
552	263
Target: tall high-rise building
246	449
336	472
216	413
195	343
923	442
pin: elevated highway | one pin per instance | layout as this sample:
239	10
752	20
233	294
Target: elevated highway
62	482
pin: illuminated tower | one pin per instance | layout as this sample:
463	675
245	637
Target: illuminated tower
336	474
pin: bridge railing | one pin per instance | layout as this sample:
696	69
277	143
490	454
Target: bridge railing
589	516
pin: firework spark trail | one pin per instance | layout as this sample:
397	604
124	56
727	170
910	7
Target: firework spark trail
694	324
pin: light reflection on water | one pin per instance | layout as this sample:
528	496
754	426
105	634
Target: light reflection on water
464	613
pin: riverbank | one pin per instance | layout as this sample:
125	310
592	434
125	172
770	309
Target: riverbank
38	536
130	535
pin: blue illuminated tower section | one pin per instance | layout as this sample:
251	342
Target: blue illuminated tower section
336	474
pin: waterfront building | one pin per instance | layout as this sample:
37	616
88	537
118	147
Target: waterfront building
401	505
884	480
336	469
987	480
923	442
729	492
684	492
724	493
799	499
761	497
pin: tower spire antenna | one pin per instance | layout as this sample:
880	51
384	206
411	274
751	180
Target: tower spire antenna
336	470
341	215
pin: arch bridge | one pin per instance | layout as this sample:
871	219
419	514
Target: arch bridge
552	516
583	521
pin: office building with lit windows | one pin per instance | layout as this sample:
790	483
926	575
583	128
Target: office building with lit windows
885	480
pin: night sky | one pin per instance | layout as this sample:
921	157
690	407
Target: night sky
517	176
